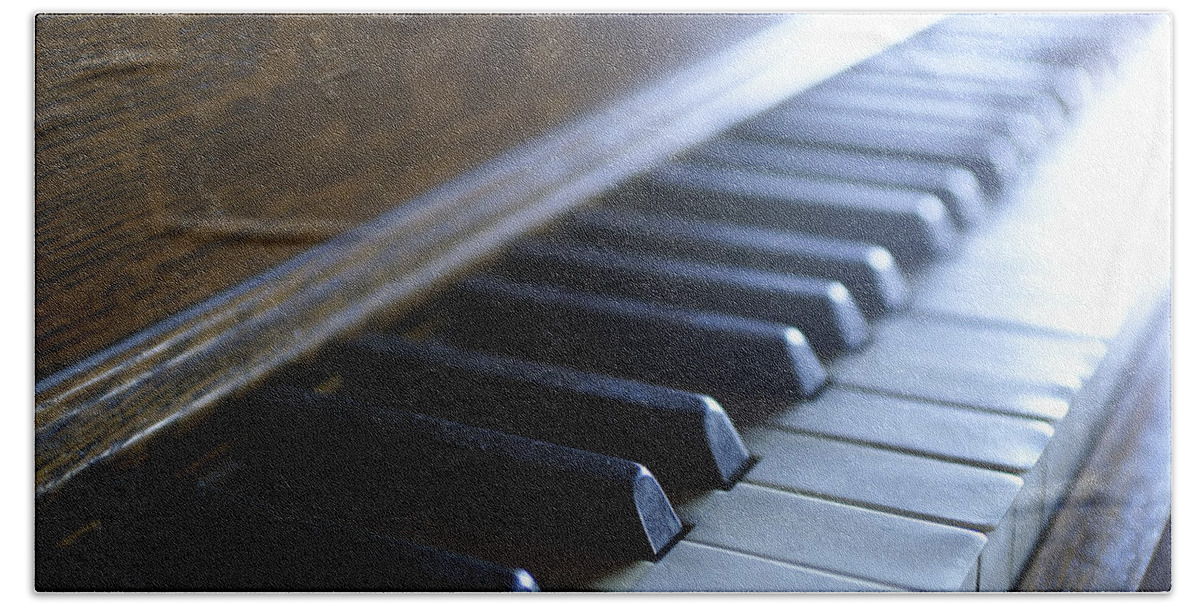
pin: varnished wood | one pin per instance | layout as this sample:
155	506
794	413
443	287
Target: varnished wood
192	359
177	155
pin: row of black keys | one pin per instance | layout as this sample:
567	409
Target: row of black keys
566	381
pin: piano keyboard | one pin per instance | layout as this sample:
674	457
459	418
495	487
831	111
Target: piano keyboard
830	349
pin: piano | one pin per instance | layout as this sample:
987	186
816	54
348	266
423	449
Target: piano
858	303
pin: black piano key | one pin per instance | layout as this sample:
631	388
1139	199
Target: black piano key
198	538
507	499
1070	86
993	159
1044	107
1022	128
684	438
956	186
867	271
731	358
913	225
824	310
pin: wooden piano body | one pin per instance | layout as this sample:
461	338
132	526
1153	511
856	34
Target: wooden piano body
939	458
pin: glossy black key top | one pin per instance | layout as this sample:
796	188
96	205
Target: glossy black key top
731	358
956	186
824	310
867	271
1071	87
913	225
198	538
1031	100
507	499
684	438
1022	128
993	159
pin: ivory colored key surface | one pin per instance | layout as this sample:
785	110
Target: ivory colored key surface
957	434
839	538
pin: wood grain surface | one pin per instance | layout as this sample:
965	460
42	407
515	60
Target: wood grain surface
177	155
162	375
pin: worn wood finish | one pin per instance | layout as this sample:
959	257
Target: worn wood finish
1106	530
191	360
179	154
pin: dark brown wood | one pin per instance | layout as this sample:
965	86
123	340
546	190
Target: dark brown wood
177	155
115	397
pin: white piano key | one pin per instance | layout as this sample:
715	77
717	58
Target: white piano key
1007	370
695	567
693	509
1011	544
971	582
991	350
622	578
996	561
828	536
1084	245
997	441
949	493
1028	518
